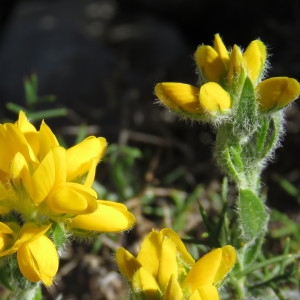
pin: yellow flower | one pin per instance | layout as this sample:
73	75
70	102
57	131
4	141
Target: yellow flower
37	256
255	58
277	92
42	181
164	269
210	63
236	66
40	175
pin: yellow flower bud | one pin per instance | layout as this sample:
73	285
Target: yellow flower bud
255	57
210	63
236	65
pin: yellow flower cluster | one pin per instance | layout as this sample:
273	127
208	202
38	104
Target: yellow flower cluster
222	74
164	269
42	184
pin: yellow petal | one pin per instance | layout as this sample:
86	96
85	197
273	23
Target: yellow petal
195	296
90	177
236	64
60	164
6	237
47	140
29	132
210	63
28	232
38	260
168	263
227	262
143	281
79	157
43	179
255	56
208	292
31	231
178	96
184	254
50	172
173	290
151	247
5	229
19	172
127	263
221	49
13	141
23	124
71	198
277	92
108	217
213	98
204	270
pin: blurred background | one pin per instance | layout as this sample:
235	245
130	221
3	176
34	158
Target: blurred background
101	60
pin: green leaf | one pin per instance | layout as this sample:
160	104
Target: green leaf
30	87
286	258
15	107
46	114
253	215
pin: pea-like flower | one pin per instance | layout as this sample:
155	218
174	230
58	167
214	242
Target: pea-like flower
43	185
164	269
36	254
42	180
222	75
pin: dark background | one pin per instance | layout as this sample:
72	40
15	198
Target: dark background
102	59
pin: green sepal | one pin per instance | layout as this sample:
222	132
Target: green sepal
59	235
253	215
246	116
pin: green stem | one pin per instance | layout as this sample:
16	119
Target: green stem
267	262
